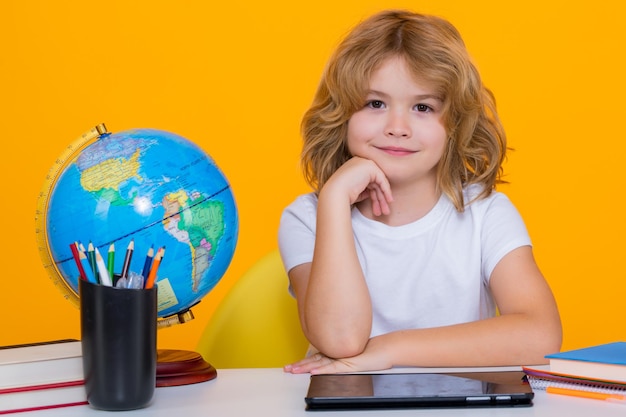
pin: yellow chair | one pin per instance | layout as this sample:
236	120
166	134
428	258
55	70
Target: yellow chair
256	325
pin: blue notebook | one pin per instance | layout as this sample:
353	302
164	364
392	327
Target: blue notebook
606	361
611	353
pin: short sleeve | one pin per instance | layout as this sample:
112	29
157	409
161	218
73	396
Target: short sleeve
296	233
503	230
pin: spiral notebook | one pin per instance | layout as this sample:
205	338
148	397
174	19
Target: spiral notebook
542	379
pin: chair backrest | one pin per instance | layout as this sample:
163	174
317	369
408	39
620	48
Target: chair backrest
256	325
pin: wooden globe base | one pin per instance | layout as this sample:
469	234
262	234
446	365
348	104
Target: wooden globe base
182	367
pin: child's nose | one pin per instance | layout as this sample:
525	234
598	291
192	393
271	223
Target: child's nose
398	125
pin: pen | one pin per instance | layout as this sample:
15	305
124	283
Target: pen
111	261
127	258
105	279
147	263
79	265
586	394
155	267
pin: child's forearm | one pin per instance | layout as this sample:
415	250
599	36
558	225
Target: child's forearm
515	339
337	309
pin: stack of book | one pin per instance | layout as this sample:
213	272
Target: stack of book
41	375
50	374
597	372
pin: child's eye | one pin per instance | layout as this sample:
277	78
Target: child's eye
375	104
423	108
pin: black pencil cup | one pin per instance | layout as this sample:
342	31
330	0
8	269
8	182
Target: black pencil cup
118	336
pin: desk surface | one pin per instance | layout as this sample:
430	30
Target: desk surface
272	393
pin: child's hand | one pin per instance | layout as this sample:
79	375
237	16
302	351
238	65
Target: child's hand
321	364
374	358
361	179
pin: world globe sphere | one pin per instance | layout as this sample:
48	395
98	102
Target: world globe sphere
150	187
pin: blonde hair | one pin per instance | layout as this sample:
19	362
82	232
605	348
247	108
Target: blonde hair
435	53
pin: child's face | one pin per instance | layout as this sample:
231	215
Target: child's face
399	126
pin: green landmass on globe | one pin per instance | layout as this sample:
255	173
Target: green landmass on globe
148	186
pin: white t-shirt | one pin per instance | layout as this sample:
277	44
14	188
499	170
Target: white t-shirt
429	273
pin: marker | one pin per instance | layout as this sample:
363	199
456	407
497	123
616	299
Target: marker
155	267
587	394
127	258
105	279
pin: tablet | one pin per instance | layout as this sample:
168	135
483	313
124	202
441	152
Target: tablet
417	390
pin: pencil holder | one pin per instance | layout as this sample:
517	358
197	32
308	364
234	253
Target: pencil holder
118	336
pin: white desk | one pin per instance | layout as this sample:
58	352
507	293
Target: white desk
272	393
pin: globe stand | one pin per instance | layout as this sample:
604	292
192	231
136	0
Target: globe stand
181	367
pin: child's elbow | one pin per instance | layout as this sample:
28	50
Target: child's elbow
547	340
341	347
339	341
553	341
345	350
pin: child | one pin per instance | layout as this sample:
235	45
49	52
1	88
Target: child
405	250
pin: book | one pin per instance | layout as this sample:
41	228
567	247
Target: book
607	361
40	363
39	397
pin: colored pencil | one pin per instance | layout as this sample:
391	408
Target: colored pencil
155	267
105	279
111	261
127	258
86	267
79	265
147	263
82	253
92	258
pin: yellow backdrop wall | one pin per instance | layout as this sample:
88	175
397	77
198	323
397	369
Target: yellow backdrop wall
236	77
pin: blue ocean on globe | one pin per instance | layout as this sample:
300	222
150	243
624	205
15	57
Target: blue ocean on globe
156	189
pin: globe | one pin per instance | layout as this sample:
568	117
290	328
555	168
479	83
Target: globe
150	187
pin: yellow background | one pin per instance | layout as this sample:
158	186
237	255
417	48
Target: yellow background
235	77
